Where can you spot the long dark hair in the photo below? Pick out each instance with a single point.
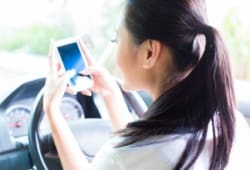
(205, 96)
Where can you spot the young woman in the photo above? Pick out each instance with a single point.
(166, 48)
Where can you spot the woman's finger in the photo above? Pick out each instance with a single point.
(59, 66)
(86, 92)
(52, 58)
(91, 70)
(62, 84)
(71, 91)
(88, 57)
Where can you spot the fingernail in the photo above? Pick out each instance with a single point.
(52, 42)
(74, 92)
(50, 50)
(86, 72)
(89, 93)
(72, 72)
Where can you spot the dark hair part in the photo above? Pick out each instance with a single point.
(205, 96)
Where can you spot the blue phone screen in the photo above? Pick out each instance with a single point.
(72, 59)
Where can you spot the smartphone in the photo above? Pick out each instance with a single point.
(72, 58)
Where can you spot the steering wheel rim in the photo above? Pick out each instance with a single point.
(132, 99)
(33, 135)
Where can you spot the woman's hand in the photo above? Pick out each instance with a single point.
(104, 84)
(56, 83)
(68, 149)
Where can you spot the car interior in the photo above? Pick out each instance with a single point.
(27, 138)
(26, 142)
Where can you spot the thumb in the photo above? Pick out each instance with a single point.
(87, 54)
(66, 77)
(69, 74)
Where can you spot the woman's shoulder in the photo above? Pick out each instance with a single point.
(162, 151)
(158, 141)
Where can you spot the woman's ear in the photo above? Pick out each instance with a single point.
(151, 54)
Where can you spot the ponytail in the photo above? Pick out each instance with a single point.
(220, 103)
(221, 82)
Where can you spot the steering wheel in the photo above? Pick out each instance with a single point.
(90, 133)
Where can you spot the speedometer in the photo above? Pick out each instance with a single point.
(71, 109)
(18, 117)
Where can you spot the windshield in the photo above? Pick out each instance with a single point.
(28, 26)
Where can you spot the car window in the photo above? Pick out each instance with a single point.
(28, 26)
(232, 20)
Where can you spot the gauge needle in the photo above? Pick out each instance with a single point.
(16, 124)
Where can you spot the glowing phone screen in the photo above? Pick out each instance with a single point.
(72, 59)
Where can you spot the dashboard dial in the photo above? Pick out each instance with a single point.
(18, 117)
(71, 109)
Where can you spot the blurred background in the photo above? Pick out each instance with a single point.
(27, 27)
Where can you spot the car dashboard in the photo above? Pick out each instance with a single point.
(19, 105)
(15, 114)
